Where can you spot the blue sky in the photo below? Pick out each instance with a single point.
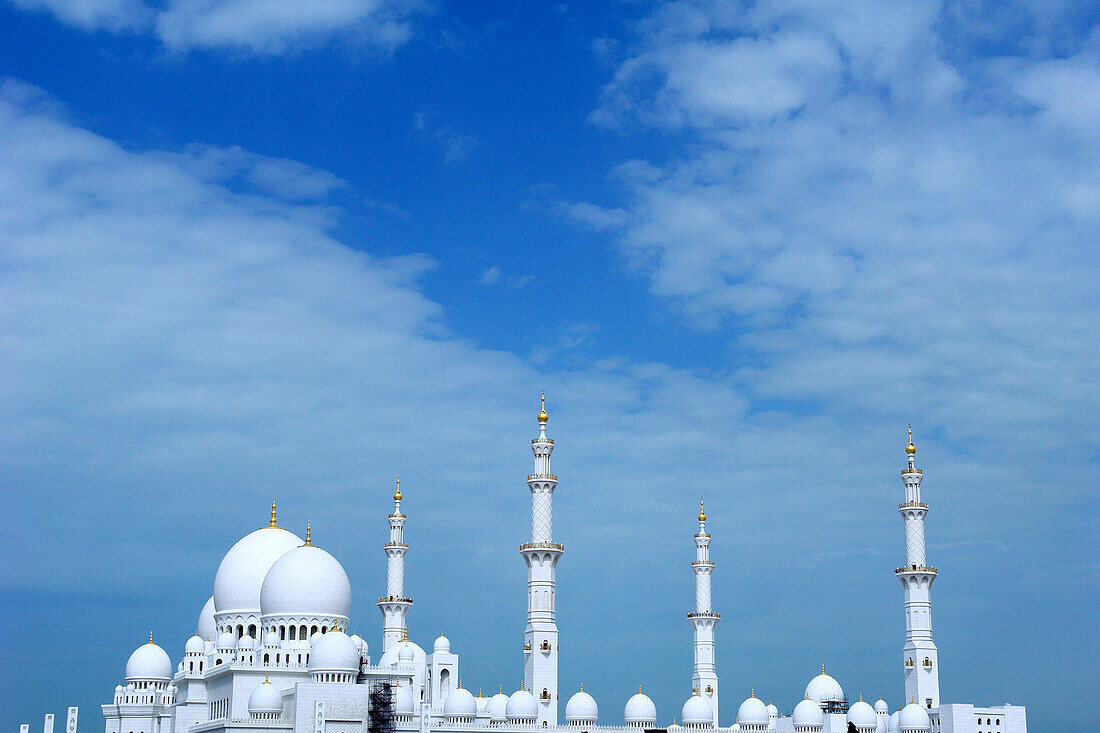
(250, 248)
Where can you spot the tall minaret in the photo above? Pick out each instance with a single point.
(922, 673)
(704, 676)
(394, 605)
(540, 638)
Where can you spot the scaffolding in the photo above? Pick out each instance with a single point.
(381, 710)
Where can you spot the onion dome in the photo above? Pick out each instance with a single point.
(753, 711)
(581, 708)
(460, 704)
(271, 639)
(241, 573)
(359, 643)
(442, 645)
(543, 417)
(307, 581)
(522, 706)
(892, 723)
(913, 718)
(735, 728)
(334, 652)
(640, 710)
(862, 715)
(675, 727)
(807, 713)
(403, 700)
(393, 655)
(881, 707)
(910, 449)
(246, 643)
(697, 711)
(405, 655)
(226, 642)
(773, 711)
(149, 662)
(824, 688)
(194, 645)
(206, 628)
(265, 699)
(498, 707)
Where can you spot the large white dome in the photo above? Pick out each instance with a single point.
(862, 715)
(697, 711)
(913, 718)
(498, 707)
(265, 699)
(206, 628)
(460, 704)
(242, 570)
(149, 662)
(640, 709)
(581, 708)
(806, 713)
(753, 712)
(306, 581)
(334, 652)
(824, 688)
(522, 706)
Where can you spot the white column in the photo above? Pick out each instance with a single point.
(703, 620)
(540, 637)
(919, 655)
(70, 721)
(394, 605)
(47, 726)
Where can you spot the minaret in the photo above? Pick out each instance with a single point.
(704, 676)
(394, 605)
(540, 638)
(922, 673)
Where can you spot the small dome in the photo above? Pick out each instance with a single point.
(640, 709)
(498, 707)
(359, 643)
(208, 647)
(227, 641)
(773, 711)
(442, 645)
(862, 715)
(735, 728)
(403, 700)
(881, 707)
(307, 581)
(460, 704)
(246, 643)
(393, 654)
(405, 655)
(241, 572)
(118, 688)
(334, 652)
(753, 711)
(149, 662)
(913, 718)
(206, 628)
(581, 708)
(265, 699)
(697, 711)
(522, 706)
(824, 688)
(806, 713)
(271, 639)
(194, 645)
(675, 727)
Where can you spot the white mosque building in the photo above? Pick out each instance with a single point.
(271, 652)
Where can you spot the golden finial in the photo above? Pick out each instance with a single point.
(582, 687)
(752, 693)
(910, 449)
(405, 634)
(397, 494)
(272, 512)
(460, 683)
(521, 685)
(150, 637)
(913, 701)
(309, 542)
(702, 514)
(861, 697)
(500, 688)
(543, 417)
(823, 668)
(266, 680)
(639, 689)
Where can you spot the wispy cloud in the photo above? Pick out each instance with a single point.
(456, 146)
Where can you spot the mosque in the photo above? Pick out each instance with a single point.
(271, 652)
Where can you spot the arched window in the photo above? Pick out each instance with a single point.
(267, 659)
(293, 633)
(302, 633)
(278, 657)
(240, 630)
(282, 633)
(313, 630)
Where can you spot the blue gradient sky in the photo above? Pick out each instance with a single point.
(249, 248)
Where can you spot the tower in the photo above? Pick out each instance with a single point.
(922, 674)
(703, 619)
(394, 605)
(540, 637)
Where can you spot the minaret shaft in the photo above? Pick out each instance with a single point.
(541, 554)
(394, 605)
(703, 620)
(919, 655)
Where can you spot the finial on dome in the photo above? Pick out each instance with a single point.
(910, 449)
(309, 539)
(823, 668)
(861, 697)
(500, 688)
(582, 687)
(273, 524)
(405, 634)
(639, 689)
(266, 680)
(702, 514)
(752, 693)
(543, 417)
(397, 494)
(150, 637)
(460, 683)
(520, 685)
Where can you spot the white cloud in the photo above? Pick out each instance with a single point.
(265, 27)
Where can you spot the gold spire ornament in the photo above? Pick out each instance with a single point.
(397, 494)
(702, 514)
(309, 542)
(543, 417)
(910, 449)
(273, 524)
(150, 638)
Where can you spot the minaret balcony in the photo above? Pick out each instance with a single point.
(541, 477)
(912, 505)
(549, 441)
(397, 544)
(915, 569)
(704, 614)
(394, 599)
(702, 563)
(911, 470)
(542, 546)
